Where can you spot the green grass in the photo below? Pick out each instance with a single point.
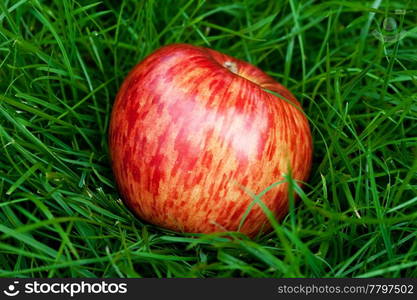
(61, 63)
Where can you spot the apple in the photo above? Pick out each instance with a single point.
(195, 133)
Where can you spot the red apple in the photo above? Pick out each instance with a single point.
(193, 131)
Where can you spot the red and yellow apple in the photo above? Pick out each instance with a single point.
(194, 134)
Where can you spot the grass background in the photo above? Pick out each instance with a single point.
(61, 63)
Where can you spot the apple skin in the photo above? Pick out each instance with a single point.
(193, 133)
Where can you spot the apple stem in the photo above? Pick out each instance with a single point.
(231, 66)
